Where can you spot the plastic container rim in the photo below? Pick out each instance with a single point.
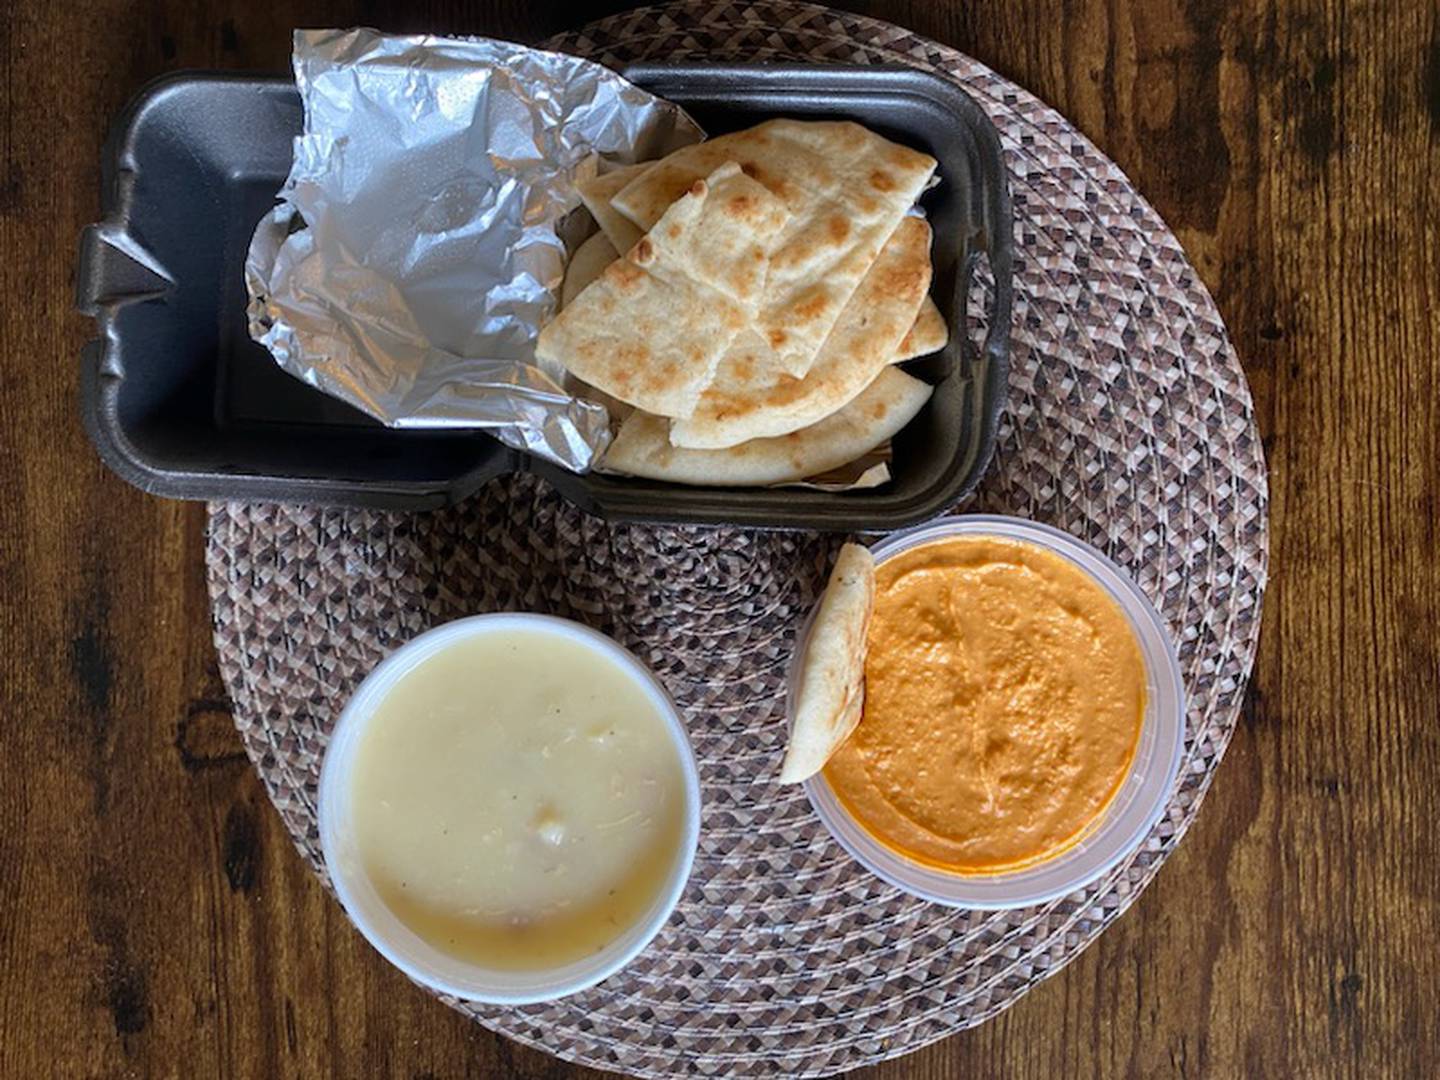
(1126, 820)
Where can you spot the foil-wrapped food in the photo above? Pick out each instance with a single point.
(415, 249)
(734, 310)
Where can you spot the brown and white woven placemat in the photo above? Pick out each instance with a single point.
(1129, 425)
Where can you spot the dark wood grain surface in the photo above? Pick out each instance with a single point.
(154, 919)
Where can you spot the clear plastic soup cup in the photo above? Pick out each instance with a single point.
(394, 940)
(1130, 815)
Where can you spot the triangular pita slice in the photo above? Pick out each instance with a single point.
(588, 263)
(722, 240)
(596, 195)
(831, 695)
(652, 328)
(846, 188)
(651, 341)
(928, 335)
(750, 398)
(642, 447)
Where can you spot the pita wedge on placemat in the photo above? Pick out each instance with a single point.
(751, 398)
(831, 694)
(653, 327)
(642, 447)
(846, 189)
(596, 195)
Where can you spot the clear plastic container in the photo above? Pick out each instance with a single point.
(1130, 815)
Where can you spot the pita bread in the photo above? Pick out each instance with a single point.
(647, 340)
(588, 263)
(750, 398)
(596, 195)
(722, 240)
(831, 695)
(642, 447)
(928, 335)
(651, 329)
(846, 189)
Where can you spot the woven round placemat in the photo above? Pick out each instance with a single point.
(1129, 425)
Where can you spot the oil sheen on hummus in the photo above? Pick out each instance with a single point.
(1004, 693)
(518, 800)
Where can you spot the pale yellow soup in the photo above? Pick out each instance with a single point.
(518, 801)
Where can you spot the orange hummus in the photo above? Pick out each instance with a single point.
(1004, 693)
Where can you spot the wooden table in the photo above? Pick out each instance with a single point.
(154, 918)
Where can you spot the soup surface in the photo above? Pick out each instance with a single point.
(517, 800)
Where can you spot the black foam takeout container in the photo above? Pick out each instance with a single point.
(179, 401)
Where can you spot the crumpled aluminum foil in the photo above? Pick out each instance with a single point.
(415, 250)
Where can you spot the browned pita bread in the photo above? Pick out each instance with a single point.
(831, 694)
(588, 263)
(750, 398)
(846, 188)
(928, 335)
(596, 195)
(722, 240)
(652, 328)
(642, 447)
